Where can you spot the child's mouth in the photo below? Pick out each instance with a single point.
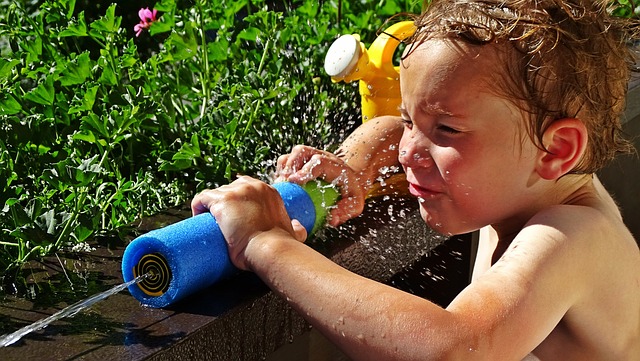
(420, 192)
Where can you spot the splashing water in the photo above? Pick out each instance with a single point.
(70, 311)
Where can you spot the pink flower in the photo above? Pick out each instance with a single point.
(146, 18)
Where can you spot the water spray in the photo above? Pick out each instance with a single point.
(191, 255)
(69, 311)
(348, 60)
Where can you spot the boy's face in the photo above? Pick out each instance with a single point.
(464, 149)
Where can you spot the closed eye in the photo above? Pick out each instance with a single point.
(407, 122)
(404, 117)
(447, 129)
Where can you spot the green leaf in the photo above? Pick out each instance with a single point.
(234, 6)
(267, 22)
(66, 174)
(55, 179)
(33, 49)
(43, 94)
(167, 6)
(77, 71)
(93, 123)
(130, 57)
(108, 76)
(179, 164)
(87, 102)
(49, 221)
(227, 171)
(6, 67)
(250, 34)
(90, 165)
(18, 215)
(86, 136)
(162, 26)
(9, 105)
(183, 46)
(81, 233)
(70, 8)
(218, 51)
(109, 23)
(189, 151)
(75, 29)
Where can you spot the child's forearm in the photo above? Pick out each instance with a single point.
(366, 319)
(373, 147)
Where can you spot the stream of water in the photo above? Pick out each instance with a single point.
(69, 311)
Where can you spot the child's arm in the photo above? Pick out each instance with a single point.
(353, 168)
(502, 315)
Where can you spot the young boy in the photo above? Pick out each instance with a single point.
(508, 109)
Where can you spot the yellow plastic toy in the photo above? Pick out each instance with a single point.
(348, 60)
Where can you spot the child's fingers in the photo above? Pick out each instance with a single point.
(345, 209)
(293, 164)
(202, 202)
(320, 165)
(299, 232)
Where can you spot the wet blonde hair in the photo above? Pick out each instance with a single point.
(571, 60)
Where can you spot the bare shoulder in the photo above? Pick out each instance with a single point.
(571, 275)
(578, 227)
(598, 259)
(594, 243)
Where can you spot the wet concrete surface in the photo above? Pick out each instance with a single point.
(237, 319)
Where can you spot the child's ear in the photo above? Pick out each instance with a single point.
(566, 142)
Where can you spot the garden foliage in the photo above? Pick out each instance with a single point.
(625, 8)
(99, 127)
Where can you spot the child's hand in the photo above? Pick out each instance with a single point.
(245, 209)
(305, 163)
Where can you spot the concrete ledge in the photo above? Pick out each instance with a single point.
(238, 319)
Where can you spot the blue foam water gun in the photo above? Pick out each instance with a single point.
(188, 256)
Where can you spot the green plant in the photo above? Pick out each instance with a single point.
(624, 8)
(96, 132)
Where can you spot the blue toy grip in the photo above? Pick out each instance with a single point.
(190, 255)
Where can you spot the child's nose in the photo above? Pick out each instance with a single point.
(410, 156)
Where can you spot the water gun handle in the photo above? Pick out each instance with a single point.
(190, 255)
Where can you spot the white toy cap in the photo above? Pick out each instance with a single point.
(342, 56)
